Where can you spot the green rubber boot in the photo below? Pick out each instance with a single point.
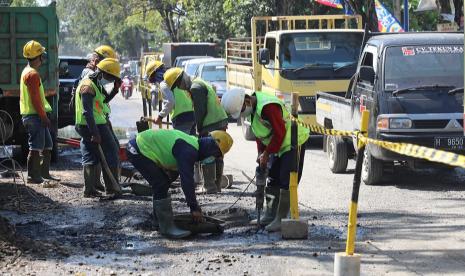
(33, 168)
(219, 167)
(271, 205)
(98, 184)
(209, 175)
(45, 166)
(164, 212)
(90, 172)
(282, 211)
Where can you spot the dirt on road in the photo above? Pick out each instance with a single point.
(55, 231)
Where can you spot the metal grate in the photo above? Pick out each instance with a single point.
(430, 123)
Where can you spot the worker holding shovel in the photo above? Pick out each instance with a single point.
(91, 124)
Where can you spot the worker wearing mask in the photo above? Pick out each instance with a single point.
(154, 152)
(34, 110)
(271, 125)
(100, 53)
(176, 103)
(92, 125)
(209, 116)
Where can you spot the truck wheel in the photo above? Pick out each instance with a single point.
(372, 169)
(336, 149)
(247, 131)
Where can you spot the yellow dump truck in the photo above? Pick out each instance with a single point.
(303, 54)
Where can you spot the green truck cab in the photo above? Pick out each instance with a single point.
(18, 25)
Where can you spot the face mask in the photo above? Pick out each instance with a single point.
(107, 85)
(159, 76)
(247, 112)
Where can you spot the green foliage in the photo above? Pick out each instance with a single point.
(24, 3)
(132, 26)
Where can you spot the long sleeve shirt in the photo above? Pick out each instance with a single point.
(32, 81)
(168, 100)
(87, 99)
(273, 114)
(199, 94)
(186, 156)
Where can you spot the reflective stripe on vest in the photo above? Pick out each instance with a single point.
(182, 103)
(215, 112)
(99, 106)
(157, 145)
(25, 103)
(262, 128)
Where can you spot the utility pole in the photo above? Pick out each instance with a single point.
(406, 17)
(397, 9)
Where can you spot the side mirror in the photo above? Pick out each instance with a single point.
(367, 74)
(264, 56)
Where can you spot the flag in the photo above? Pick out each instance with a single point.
(387, 23)
(332, 3)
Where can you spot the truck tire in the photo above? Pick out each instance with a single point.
(247, 131)
(336, 149)
(372, 169)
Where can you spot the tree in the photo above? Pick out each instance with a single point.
(366, 8)
(24, 3)
(171, 12)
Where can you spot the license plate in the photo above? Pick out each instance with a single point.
(454, 143)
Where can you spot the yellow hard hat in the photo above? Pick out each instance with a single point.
(172, 75)
(106, 51)
(33, 49)
(223, 140)
(110, 66)
(152, 67)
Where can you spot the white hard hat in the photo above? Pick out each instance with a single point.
(232, 101)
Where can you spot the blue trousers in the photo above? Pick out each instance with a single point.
(280, 169)
(156, 176)
(39, 137)
(89, 150)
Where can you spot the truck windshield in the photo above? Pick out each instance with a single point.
(426, 65)
(319, 56)
(214, 73)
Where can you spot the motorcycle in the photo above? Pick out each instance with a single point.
(127, 87)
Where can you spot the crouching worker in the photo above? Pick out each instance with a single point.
(271, 124)
(154, 152)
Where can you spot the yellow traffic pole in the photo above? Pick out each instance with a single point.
(352, 225)
(348, 263)
(295, 227)
(294, 176)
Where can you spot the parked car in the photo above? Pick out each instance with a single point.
(191, 65)
(412, 84)
(181, 60)
(70, 69)
(213, 71)
(172, 51)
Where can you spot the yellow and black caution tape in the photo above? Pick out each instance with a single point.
(323, 130)
(412, 150)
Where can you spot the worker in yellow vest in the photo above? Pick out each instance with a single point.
(209, 116)
(91, 123)
(271, 124)
(34, 110)
(99, 54)
(156, 152)
(177, 103)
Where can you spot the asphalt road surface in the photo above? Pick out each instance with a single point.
(413, 223)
